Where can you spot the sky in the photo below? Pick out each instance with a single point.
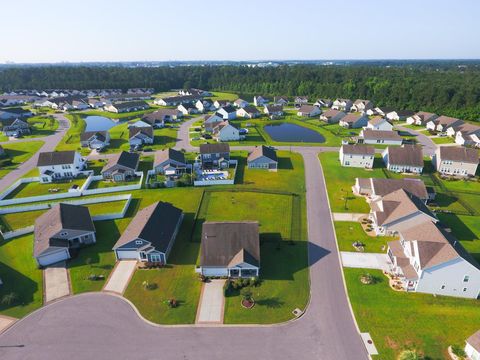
(148, 30)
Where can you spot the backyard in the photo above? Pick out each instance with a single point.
(17, 153)
(349, 232)
(36, 188)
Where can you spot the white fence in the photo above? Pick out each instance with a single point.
(11, 234)
(219, 182)
(136, 186)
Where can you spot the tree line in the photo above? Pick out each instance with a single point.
(450, 90)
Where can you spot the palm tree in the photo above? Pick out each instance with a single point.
(410, 355)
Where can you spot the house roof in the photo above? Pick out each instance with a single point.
(411, 155)
(56, 158)
(133, 130)
(60, 216)
(274, 108)
(239, 101)
(381, 135)
(382, 187)
(100, 135)
(351, 118)
(251, 109)
(331, 113)
(424, 116)
(474, 341)
(357, 149)
(263, 150)
(125, 159)
(385, 109)
(447, 121)
(155, 223)
(405, 113)
(307, 108)
(168, 154)
(229, 109)
(130, 104)
(361, 101)
(230, 243)
(377, 120)
(459, 153)
(214, 148)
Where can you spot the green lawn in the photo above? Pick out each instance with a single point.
(42, 126)
(216, 95)
(17, 153)
(443, 140)
(37, 188)
(122, 116)
(349, 232)
(71, 140)
(340, 179)
(20, 277)
(400, 320)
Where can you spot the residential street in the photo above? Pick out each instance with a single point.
(98, 323)
(50, 144)
(429, 146)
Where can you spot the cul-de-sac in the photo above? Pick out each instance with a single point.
(238, 209)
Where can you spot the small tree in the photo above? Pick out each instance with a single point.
(458, 351)
(246, 294)
(410, 355)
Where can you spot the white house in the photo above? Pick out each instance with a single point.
(429, 260)
(280, 100)
(323, 103)
(457, 161)
(259, 101)
(211, 121)
(404, 159)
(398, 115)
(187, 109)
(421, 118)
(472, 346)
(309, 110)
(226, 132)
(58, 165)
(140, 135)
(354, 121)
(221, 103)
(342, 105)
(230, 249)
(248, 112)
(387, 137)
(466, 134)
(204, 105)
(379, 123)
(442, 123)
(240, 103)
(361, 106)
(361, 156)
(228, 112)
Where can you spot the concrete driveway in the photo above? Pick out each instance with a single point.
(120, 276)
(366, 260)
(212, 303)
(347, 216)
(56, 282)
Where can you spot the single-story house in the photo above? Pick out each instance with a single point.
(388, 137)
(380, 110)
(151, 234)
(421, 118)
(59, 165)
(457, 161)
(300, 100)
(14, 113)
(121, 166)
(127, 106)
(361, 156)
(14, 127)
(323, 103)
(170, 162)
(469, 135)
(176, 100)
(161, 116)
(361, 106)
(263, 157)
(379, 123)
(228, 112)
(140, 135)
(309, 110)
(354, 121)
(240, 103)
(230, 249)
(332, 116)
(273, 110)
(259, 101)
(280, 100)
(342, 105)
(211, 121)
(187, 108)
(248, 112)
(225, 131)
(95, 139)
(221, 103)
(404, 159)
(472, 346)
(60, 229)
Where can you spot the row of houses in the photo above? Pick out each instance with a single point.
(447, 160)
(53, 93)
(426, 257)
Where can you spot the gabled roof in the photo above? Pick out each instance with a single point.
(377, 120)
(331, 113)
(251, 109)
(130, 104)
(147, 131)
(87, 135)
(351, 118)
(228, 108)
(425, 116)
(56, 158)
(214, 148)
(61, 216)
(155, 223)
(263, 150)
(381, 135)
(307, 108)
(227, 244)
(168, 154)
(239, 101)
(459, 153)
(357, 149)
(410, 155)
(125, 159)
(447, 121)
(382, 187)
(274, 108)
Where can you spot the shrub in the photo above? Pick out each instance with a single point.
(148, 285)
(367, 279)
(246, 294)
(458, 351)
(410, 355)
(9, 298)
(172, 303)
(227, 288)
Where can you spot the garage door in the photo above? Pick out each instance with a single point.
(53, 258)
(127, 254)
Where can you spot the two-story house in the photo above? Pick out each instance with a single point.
(421, 118)
(332, 116)
(59, 165)
(361, 156)
(404, 159)
(456, 161)
(214, 156)
(342, 104)
(353, 121)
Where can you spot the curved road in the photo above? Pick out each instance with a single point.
(428, 145)
(103, 326)
(50, 143)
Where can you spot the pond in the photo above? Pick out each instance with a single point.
(286, 132)
(98, 123)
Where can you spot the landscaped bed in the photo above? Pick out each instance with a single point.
(400, 320)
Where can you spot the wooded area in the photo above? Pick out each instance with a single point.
(450, 89)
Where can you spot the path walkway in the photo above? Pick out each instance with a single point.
(366, 260)
(50, 144)
(347, 216)
(56, 282)
(120, 276)
(212, 303)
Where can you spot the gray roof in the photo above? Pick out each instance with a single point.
(101, 135)
(156, 224)
(60, 216)
(168, 154)
(130, 104)
(126, 159)
(251, 109)
(357, 149)
(411, 155)
(148, 131)
(459, 153)
(263, 150)
(381, 135)
(230, 243)
(214, 148)
(56, 158)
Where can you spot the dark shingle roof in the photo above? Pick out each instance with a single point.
(126, 159)
(168, 154)
(405, 155)
(357, 149)
(155, 223)
(230, 243)
(263, 150)
(144, 130)
(130, 104)
(461, 154)
(55, 158)
(101, 135)
(214, 148)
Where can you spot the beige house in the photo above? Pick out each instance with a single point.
(361, 156)
(375, 188)
(472, 347)
(457, 161)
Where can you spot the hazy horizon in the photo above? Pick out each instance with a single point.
(307, 30)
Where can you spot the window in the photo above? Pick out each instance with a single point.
(138, 242)
(443, 287)
(464, 289)
(466, 278)
(64, 233)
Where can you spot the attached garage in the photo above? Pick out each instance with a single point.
(126, 254)
(53, 257)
